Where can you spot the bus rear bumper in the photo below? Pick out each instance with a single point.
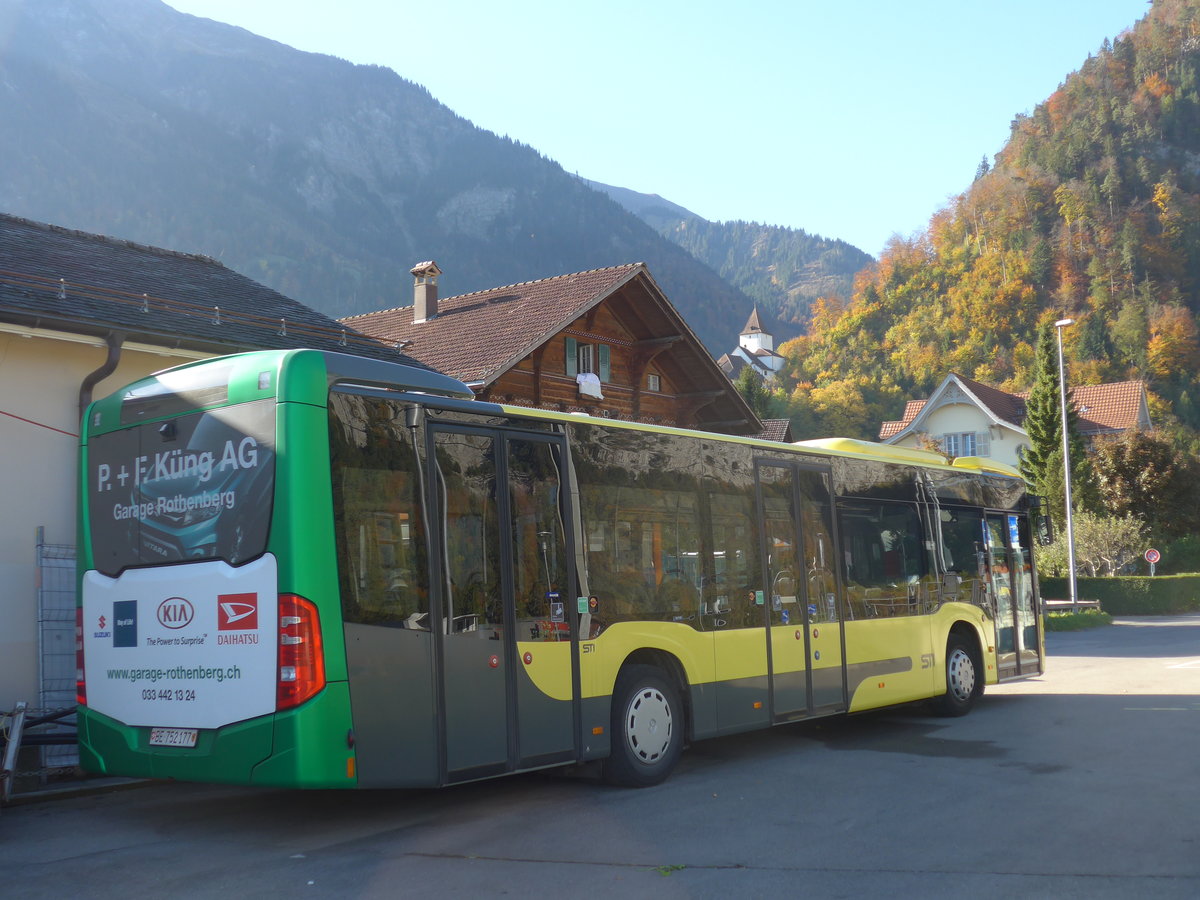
(306, 747)
(227, 754)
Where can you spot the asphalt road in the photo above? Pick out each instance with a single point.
(1081, 784)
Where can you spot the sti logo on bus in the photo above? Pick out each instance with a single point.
(175, 612)
(237, 612)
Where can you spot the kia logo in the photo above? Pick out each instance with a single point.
(175, 613)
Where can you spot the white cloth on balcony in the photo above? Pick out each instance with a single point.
(589, 385)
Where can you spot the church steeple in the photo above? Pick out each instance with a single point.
(754, 336)
(753, 324)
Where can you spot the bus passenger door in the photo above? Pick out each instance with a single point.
(506, 650)
(801, 595)
(1010, 581)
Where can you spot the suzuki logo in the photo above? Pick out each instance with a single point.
(237, 612)
(175, 613)
(102, 621)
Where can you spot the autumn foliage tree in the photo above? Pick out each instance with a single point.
(1092, 210)
(1143, 475)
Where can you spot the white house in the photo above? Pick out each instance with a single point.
(967, 418)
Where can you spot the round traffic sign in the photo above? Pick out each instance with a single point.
(1153, 556)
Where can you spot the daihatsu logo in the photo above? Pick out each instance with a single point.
(175, 612)
(237, 612)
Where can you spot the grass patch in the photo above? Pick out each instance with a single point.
(1077, 621)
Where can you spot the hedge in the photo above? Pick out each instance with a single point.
(1132, 595)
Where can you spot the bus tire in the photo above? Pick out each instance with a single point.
(647, 728)
(964, 679)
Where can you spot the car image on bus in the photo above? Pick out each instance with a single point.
(309, 569)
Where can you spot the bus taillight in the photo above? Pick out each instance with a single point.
(80, 682)
(301, 657)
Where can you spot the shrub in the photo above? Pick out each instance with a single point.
(1179, 556)
(1077, 621)
(1133, 595)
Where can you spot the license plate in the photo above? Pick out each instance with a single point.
(173, 737)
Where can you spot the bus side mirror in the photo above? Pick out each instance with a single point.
(1045, 530)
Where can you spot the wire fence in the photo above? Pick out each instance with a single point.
(56, 648)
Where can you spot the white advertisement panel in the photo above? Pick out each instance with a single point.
(192, 646)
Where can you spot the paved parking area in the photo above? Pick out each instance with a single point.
(1080, 784)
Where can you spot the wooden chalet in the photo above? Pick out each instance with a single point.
(606, 342)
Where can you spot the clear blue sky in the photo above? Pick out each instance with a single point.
(852, 120)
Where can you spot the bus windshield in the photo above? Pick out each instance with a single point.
(192, 488)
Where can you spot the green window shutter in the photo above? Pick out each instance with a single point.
(605, 372)
(572, 356)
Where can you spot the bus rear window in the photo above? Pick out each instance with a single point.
(171, 393)
(191, 488)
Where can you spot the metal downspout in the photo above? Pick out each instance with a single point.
(113, 340)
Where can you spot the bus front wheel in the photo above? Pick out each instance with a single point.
(964, 679)
(647, 728)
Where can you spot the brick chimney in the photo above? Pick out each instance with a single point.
(425, 291)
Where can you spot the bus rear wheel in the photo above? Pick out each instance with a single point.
(647, 728)
(964, 680)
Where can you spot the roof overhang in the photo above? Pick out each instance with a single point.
(536, 339)
(93, 335)
(946, 395)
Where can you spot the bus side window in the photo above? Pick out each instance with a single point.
(963, 555)
(382, 570)
(884, 562)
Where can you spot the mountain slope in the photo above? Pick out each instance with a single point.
(322, 179)
(782, 269)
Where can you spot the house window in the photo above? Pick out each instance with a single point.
(595, 358)
(965, 443)
(653, 382)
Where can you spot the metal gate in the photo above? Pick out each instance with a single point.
(56, 646)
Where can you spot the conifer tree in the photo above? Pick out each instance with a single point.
(750, 385)
(1041, 462)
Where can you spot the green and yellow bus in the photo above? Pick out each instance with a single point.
(310, 569)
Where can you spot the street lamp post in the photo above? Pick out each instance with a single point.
(1066, 445)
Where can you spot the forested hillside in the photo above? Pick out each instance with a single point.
(1092, 210)
(784, 270)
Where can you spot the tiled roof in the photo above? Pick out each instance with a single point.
(1005, 406)
(66, 280)
(1101, 408)
(887, 429)
(753, 324)
(475, 337)
(478, 337)
(776, 430)
(1109, 407)
(731, 365)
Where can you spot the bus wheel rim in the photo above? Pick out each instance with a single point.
(649, 725)
(961, 672)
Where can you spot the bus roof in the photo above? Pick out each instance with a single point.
(350, 370)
